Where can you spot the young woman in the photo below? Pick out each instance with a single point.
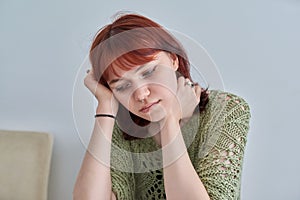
(157, 135)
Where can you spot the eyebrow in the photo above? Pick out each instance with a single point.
(119, 79)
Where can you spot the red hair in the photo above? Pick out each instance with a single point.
(133, 40)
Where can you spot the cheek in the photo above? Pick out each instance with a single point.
(122, 99)
(162, 92)
(166, 80)
(127, 101)
(165, 86)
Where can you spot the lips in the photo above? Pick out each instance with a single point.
(147, 107)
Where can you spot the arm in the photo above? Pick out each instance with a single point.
(220, 170)
(180, 178)
(94, 180)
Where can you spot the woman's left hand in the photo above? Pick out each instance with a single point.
(187, 98)
(182, 106)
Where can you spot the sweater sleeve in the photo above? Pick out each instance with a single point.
(123, 184)
(220, 169)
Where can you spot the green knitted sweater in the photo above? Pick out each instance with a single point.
(215, 141)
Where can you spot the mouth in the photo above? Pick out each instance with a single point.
(147, 108)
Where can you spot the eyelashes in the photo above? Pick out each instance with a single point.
(123, 87)
(146, 74)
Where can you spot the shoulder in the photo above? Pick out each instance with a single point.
(227, 104)
(219, 96)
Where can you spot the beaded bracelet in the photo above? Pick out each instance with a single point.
(105, 115)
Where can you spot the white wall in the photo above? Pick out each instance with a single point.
(255, 44)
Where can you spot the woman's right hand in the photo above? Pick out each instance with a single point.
(106, 100)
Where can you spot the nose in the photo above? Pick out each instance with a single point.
(141, 93)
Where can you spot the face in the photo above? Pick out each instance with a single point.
(146, 90)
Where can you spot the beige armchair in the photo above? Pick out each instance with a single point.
(25, 159)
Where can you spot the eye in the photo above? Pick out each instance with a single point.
(122, 87)
(148, 72)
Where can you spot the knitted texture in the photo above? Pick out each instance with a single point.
(215, 141)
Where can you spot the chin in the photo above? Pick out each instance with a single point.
(154, 117)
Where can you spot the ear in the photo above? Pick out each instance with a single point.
(175, 62)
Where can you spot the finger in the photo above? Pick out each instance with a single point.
(181, 81)
(198, 92)
(90, 71)
(186, 81)
(189, 83)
